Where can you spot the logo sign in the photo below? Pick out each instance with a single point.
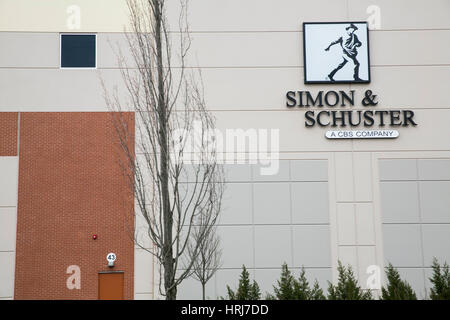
(362, 134)
(111, 257)
(336, 52)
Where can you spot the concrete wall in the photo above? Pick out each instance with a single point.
(47, 15)
(269, 220)
(416, 216)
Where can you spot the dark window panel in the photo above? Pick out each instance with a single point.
(77, 51)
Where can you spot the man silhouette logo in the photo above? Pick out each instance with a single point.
(349, 43)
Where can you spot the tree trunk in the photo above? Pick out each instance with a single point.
(203, 290)
(169, 272)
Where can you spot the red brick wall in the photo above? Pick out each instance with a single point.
(8, 134)
(70, 187)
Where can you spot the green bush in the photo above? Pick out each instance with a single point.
(246, 290)
(285, 286)
(347, 287)
(396, 289)
(440, 281)
(289, 288)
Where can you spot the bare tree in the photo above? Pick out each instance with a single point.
(172, 164)
(207, 257)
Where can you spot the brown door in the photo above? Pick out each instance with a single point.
(110, 286)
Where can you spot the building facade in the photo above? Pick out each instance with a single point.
(364, 202)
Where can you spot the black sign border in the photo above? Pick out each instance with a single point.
(337, 81)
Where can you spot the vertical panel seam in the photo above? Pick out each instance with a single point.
(420, 226)
(253, 222)
(291, 213)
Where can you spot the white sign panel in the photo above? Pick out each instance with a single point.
(111, 257)
(336, 52)
(362, 134)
